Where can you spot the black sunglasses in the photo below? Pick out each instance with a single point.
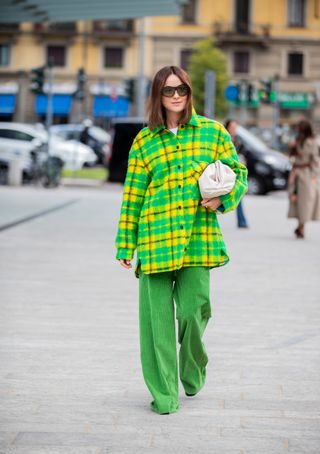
(182, 90)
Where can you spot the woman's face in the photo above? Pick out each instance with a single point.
(177, 103)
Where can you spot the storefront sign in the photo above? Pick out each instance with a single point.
(295, 100)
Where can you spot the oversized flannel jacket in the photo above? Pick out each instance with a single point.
(161, 214)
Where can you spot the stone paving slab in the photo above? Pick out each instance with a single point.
(54, 450)
(70, 378)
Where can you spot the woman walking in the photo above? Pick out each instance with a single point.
(176, 234)
(303, 184)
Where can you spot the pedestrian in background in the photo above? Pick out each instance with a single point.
(231, 127)
(176, 234)
(303, 184)
(85, 136)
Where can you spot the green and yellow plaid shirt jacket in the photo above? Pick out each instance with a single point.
(161, 215)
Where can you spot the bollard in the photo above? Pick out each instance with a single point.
(15, 171)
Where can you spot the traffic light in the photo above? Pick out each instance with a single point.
(250, 93)
(265, 93)
(129, 85)
(37, 78)
(81, 83)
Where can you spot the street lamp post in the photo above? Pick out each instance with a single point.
(49, 104)
(243, 102)
(210, 93)
(276, 111)
(141, 78)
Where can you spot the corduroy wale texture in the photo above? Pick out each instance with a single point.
(161, 214)
(190, 289)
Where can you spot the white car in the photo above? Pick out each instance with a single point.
(97, 138)
(20, 139)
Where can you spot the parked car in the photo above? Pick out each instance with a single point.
(20, 138)
(124, 131)
(267, 169)
(4, 168)
(98, 139)
(19, 144)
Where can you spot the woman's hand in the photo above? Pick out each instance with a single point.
(213, 204)
(125, 263)
(292, 176)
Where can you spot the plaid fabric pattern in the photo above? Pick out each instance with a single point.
(161, 214)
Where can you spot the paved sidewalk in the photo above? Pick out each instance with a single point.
(70, 379)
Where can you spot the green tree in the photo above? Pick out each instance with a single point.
(206, 56)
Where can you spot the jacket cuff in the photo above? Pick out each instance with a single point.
(226, 203)
(125, 254)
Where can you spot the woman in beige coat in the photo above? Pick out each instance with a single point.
(303, 180)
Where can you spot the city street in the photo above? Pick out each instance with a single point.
(70, 377)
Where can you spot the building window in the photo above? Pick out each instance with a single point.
(296, 13)
(242, 16)
(185, 55)
(188, 12)
(241, 60)
(113, 57)
(295, 64)
(56, 55)
(4, 54)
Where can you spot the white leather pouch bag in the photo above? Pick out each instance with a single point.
(217, 179)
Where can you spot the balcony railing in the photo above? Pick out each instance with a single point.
(103, 27)
(8, 29)
(56, 28)
(242, 33)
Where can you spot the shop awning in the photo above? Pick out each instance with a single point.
(105, 106)
(7, 103)
(61, 104)
(73, 10)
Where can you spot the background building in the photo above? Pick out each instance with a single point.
(261, 39)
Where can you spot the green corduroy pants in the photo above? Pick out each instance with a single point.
(189, 289)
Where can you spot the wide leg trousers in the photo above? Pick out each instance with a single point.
(189, 289)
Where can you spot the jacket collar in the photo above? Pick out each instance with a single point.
(194, 121)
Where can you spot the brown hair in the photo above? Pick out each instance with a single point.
(156, 111)
(304, 131)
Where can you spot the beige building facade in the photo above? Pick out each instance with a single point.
(261, 40)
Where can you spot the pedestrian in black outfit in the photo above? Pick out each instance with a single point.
(231, 127)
